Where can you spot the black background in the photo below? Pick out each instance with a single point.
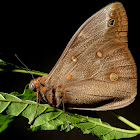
(39, 32)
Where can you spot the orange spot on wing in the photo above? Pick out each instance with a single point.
(69, 77)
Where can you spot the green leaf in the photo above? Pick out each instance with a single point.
(5, 120)
(27, 94)
(49, 118)
(3, 105)
(29, 112)
(15, 108)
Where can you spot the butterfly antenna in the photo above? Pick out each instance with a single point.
(65, 115)
(24, 66)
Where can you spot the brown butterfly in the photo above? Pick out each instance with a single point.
(96, 70)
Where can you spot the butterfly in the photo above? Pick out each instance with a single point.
(96, 71)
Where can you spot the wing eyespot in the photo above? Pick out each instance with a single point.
(74, 59)
(113, 77)
(99, 54)
(111, 22)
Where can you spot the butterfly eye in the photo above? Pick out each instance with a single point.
(32, 86)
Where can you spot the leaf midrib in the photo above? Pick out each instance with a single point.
(107, 126)
(83, 117)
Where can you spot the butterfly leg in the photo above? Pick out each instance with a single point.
(58, 97)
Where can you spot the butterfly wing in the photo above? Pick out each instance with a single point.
(97, 67)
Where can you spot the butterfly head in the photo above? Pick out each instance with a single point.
(35, 85)
(32, 86)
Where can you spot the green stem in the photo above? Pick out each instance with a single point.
(127, 121)
(115, 128)
(21, 69)
(27, 71)
(25, 102)
(32, 72)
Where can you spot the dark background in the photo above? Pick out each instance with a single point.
(38, 32)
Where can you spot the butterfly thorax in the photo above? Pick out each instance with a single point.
(46, 91)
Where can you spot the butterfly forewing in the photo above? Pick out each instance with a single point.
(97, 68)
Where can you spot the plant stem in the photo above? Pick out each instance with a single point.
(33, 72)
(126, 121)
(27, 71)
